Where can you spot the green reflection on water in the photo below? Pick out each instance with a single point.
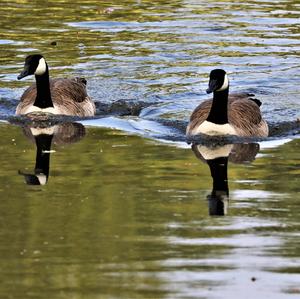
(120, 216)
(92, 214)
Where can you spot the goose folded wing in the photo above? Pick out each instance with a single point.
(72, 89)
(244, 113)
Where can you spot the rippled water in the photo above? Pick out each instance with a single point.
(159, 52)
(126, 216)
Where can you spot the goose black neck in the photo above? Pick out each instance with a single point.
(218, 170)
(219, 109)
(43, 95)
(42, 160)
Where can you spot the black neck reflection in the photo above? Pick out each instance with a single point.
(60, 134)
(217, 158)
(217, 200)
(42, 161)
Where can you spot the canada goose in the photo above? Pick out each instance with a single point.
(239, 115)
(55, 96)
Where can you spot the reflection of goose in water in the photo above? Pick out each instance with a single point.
(44, 137)
(217, 160)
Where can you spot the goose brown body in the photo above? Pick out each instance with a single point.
(69, 97)
(243, 114)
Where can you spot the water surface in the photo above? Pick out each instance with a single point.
(158, 51)
(122, 207)
(126, 217)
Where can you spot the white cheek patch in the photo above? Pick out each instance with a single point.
(41, 68)
(225, 83)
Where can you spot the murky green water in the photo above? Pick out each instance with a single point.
(123, 213)
(126, 217)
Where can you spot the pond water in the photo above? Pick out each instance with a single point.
(120, 206)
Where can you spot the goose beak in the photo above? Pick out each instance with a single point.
(212, 86)
(23, 74)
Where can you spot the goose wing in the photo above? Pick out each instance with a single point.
(201, 112)
(73, 89)
(70, 96)
(244, 113)
(245, 117)
(29, 95)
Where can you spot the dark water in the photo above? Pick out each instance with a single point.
(124, 208)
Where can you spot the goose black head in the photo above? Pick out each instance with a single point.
(218, 81)
(34, 65)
